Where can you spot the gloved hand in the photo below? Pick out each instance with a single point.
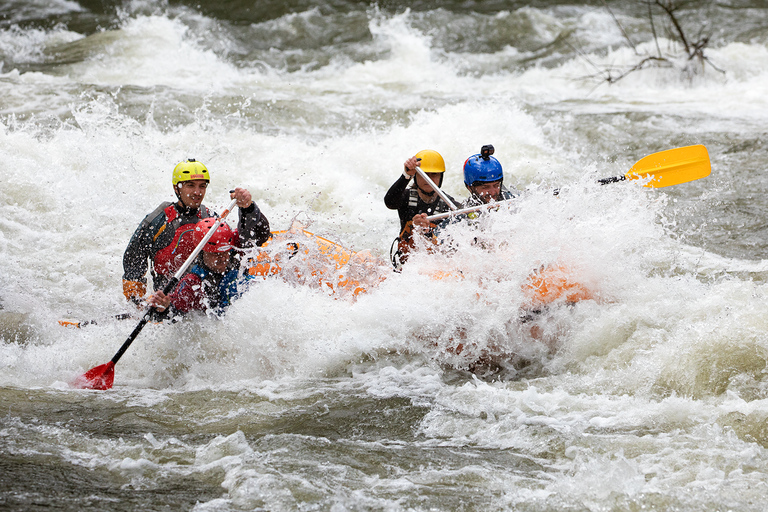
(134, 291)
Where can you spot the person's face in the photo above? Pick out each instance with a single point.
(487, 192)
(425, 189)
(216, 261)
(192, 193)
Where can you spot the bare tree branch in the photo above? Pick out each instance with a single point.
(653, 28)
(618, 24)
(674, 30)
(669, 6)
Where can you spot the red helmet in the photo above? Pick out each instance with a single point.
(222, 239)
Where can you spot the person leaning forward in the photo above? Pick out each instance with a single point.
(213, 282)
(165, 238)
(413, 203)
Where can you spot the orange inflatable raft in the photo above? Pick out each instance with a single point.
(301, 257)
(554, 282)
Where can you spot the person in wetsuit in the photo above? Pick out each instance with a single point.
(484, 179)
(215, 279)
(415, 202)
(164, 239)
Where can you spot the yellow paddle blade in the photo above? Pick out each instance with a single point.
(672, 167)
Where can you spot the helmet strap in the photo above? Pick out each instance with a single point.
(429, 193)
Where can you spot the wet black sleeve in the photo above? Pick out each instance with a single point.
(139, 252)
(396, 196)
(252, 227)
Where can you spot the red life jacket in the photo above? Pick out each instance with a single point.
(170, 259)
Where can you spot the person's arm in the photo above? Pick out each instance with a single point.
(393, 199)
(139, 252)
(135, 264)
(252, 225)
(394, 196)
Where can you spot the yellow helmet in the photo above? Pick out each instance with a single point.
(431, 161)
(189, 170)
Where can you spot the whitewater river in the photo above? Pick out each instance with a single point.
(650, 395)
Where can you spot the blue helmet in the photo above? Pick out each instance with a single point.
(482, 168)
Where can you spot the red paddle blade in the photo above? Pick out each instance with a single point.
(100, 377)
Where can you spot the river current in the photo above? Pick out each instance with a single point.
(650, 395)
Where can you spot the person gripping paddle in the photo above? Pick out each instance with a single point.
(102, 377)
(165, 237)
(413, 203)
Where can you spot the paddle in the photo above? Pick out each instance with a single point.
(68, 322)
(495, 204)
(101, 377)
(665, 168)
(670, 167)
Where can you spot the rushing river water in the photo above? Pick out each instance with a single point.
(652, 395)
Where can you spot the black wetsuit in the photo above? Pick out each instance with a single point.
(408, 203)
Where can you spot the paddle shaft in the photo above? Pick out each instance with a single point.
(669, 167)
(434, 187)
(612, 179)
(64, 322)
(453, 213)
(168, 288)
(440, 216)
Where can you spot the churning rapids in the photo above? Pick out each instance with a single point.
(652, 395)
